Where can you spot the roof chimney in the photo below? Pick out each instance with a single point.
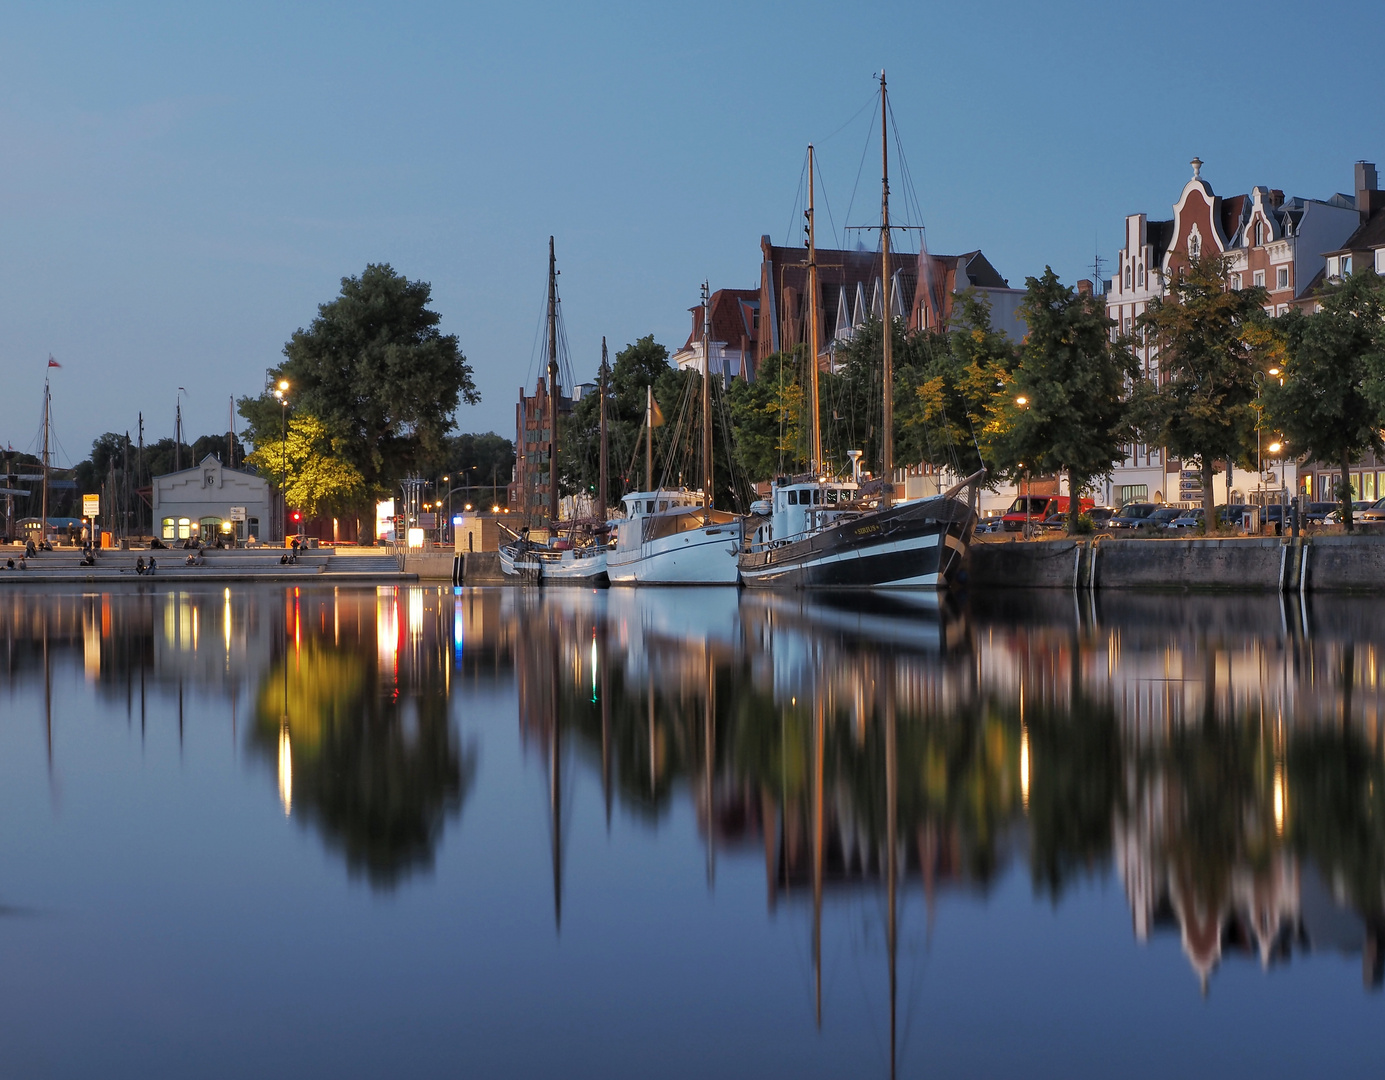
(1365, 182)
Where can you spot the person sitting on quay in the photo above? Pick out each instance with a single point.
(9, 564)
(23, 562)
(152, 567)
(155, 542)
(139, 565)
(29, 549)
(88, 558)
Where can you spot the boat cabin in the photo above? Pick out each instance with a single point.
(640, 504)
(798, 508)
(650, 515)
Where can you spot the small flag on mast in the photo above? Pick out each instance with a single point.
(657, 417)
(52, 362)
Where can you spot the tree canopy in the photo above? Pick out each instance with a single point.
(1066, 405)
(1209, 353)
(1333, 367)
(313, 479)
(375, 369)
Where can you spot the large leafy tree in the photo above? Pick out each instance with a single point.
(957, 392)
(1210, 351)
(1332, 402)
(376, 370)
(313, 478)
(1066, 405)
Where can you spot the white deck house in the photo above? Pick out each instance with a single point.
(211, 499)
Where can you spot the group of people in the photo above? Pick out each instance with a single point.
(146, 569)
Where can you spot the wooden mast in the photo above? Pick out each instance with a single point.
(552, 387)
(706, 404)
(601, 480)
(47, 409)
(649, 437)
(815, 446)
(886, 322)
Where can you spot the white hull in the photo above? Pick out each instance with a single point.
(705, 556)
(553, 567)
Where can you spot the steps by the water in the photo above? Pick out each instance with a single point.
(262, 564)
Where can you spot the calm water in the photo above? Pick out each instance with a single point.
(412, 831)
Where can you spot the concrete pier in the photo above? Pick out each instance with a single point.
(1336, 563)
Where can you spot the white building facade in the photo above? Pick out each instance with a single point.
(211, 500)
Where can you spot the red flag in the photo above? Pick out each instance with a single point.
(53, 363)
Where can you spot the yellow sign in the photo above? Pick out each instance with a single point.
(91, 505)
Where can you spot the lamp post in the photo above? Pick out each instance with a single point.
(1023, 403)
(281, 392)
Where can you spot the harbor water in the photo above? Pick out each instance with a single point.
(416, 830)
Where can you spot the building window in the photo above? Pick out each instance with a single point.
(1258, 278)
(1281, 279)
(1127, 284)
(1129, 493)
(253, 528)
(1334, 267)
(1380, 260)
(1142, 279)
(1346, 269)
(169, 525)
(1194, 248)
(1235, 283)
(185, 526)
(1259, 237)
(1281, 310)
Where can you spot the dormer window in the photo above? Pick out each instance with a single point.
(1346, 266)
(1259, 234)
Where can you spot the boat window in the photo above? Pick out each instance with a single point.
(817, 497)
(663, 504)
(831, 495)
(650, 508)
(793, 498)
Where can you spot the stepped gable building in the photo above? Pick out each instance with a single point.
(1278, 243)
(922, 290)
(734, 336)
(528, 493)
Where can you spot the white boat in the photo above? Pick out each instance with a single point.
(672, 538)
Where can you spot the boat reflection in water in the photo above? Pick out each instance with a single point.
(1230, 778)
(1221, 758)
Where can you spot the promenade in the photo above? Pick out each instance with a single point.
(240, 564)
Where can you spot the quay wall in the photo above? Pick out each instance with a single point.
(1246, 564)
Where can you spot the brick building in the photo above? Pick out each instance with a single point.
(734, 335)
(528, 494)
(1269, 241)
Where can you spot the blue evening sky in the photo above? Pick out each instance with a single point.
(182, 184)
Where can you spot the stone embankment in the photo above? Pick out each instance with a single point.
(1320, 563)
(336, 565)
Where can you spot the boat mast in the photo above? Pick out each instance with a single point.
(886, 322)
(47, 410)
(552, 386)
(706, 404)
(815, 446)
(649, 437)
(601, 481)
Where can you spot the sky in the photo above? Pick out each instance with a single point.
(181, 185)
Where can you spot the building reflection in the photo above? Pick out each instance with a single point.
(1222, 756)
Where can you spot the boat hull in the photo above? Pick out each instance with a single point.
(914, 546)
(705, 556)
(536, 565)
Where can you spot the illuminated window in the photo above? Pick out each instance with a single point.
(184, 528)
(168, 528)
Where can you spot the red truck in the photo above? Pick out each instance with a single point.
(1034, 508)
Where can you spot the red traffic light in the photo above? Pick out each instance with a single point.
(297, 516)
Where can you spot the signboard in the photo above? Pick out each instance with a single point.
(237, 513)
(1190, 484)
(427, 521)
(91, 505)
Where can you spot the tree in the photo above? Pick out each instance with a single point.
(376, 370)
(1066, 405)
(313, 480)
(474, 461)
(1331, 404)
(1209, 356)
(957, 393)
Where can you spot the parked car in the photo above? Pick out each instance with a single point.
(1316, 511)
(1164, 517)
(989, 525)
(1032, 509)
(1133, 516)
(1187, 519)
(1374, 512)
(1100, 515)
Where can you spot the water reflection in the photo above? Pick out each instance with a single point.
(1221, 758)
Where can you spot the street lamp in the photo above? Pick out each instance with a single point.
(281, 392)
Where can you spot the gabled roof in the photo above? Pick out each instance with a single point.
(1367, 237)
(733, 317)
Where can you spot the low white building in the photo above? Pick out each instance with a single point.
(211, 499)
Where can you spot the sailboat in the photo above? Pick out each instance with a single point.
(676, 536)
(580, 557)
(822, 532)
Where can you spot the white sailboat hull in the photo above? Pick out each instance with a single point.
(705, 556)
